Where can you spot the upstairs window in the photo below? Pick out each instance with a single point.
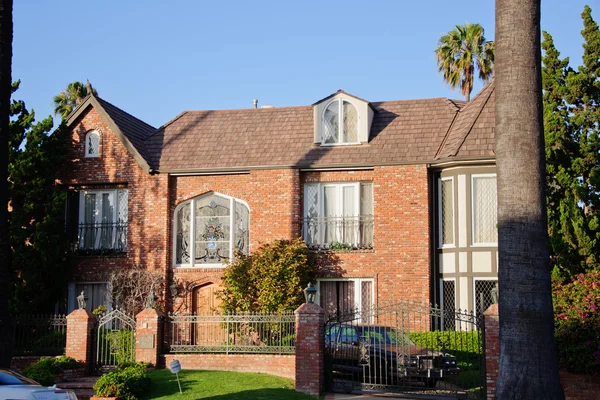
(484, 205)
(340, 123)
(446, 212)
(92, 144)
(338, 216)
(209, 228)
(103, 219)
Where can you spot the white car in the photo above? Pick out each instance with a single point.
(14, 386)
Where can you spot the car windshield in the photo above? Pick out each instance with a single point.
(8, 377)
(384, 335)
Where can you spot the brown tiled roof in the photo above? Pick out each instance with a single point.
(402, 132)
(472, 132)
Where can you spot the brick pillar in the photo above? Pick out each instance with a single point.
(492, 349)
(80, 324)
(147, 336)
(310, 349)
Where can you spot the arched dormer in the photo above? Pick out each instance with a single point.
(208, 229)
(342, 119)
(92, 144)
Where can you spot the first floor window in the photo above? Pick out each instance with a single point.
(347, 299)
(95, 292)
(103, 216)
(338, 216)
(483, 294)
(208, 229)
(449, 303)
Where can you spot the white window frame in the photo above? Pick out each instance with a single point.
(192, 203)
(475, 279)
(87, 136)
(98, 207)
(340, 141)
(441, 244)
(473, 242)
(357, 290)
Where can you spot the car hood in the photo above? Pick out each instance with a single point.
(38, 392)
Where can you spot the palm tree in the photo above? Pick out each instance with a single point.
(528, 367)
(6, 38)
(69, 99)
(460, 52)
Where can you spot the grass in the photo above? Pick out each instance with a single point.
(221, 385)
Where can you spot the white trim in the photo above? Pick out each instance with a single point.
(340, 141)
(473, 243)
(192, 203)
(441, 244)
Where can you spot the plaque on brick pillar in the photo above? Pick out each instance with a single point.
(146, 341)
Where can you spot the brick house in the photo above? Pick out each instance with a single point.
(402, 192)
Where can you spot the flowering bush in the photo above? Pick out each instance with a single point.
(577, 322)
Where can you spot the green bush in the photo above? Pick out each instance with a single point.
(46, 368)
(271, 279)
(127, 383)
(577, 322)
(465, 346)
(50, 344)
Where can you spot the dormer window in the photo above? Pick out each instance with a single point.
(342, 119)
(340, 116)
(92, 144)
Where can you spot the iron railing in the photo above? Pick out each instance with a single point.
(267, 333)
(338, 233)
(103, 236)
(407, 347)
(40, 335)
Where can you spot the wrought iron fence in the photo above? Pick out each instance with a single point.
(338, 233)
(267, 333)
(103, 236)
(40, 335)
(407, 347)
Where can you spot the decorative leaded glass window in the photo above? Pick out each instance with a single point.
(447, 212)
(340, 117)
(92, 144)
(217, 225)
(484, 206)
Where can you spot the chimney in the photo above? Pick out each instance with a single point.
(255, 103)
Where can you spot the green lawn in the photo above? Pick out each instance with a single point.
(221, 385)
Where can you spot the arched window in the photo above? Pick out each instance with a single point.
(92, 144)
(208, 229)
(340, 123)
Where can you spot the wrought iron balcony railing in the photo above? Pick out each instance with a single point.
(103, 236)
(338, 233)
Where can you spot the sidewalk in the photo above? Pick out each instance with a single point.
(342, 396)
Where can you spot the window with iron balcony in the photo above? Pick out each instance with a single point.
(98, 220)
(338, 216)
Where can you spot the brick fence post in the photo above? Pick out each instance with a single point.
(147, 336)
(80, 324)
(310, 349)
(492, 348)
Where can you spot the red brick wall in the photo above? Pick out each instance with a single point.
(399, 262)
(273, 364)
(148, 200)
(79, 336)
(310, 349)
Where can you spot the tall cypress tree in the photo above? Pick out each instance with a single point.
(571, 99)
(37, 238)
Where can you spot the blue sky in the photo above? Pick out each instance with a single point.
(155, 59)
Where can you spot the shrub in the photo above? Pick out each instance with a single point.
(271, 279)
(577, 322)
(127, 383)
(465, 346)
(44, 370)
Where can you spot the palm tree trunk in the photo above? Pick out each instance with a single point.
(528, 368)
(6, 35)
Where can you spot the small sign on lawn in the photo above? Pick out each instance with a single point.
(175, 367)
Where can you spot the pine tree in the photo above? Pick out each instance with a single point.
(571, 112)
(39, 244)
